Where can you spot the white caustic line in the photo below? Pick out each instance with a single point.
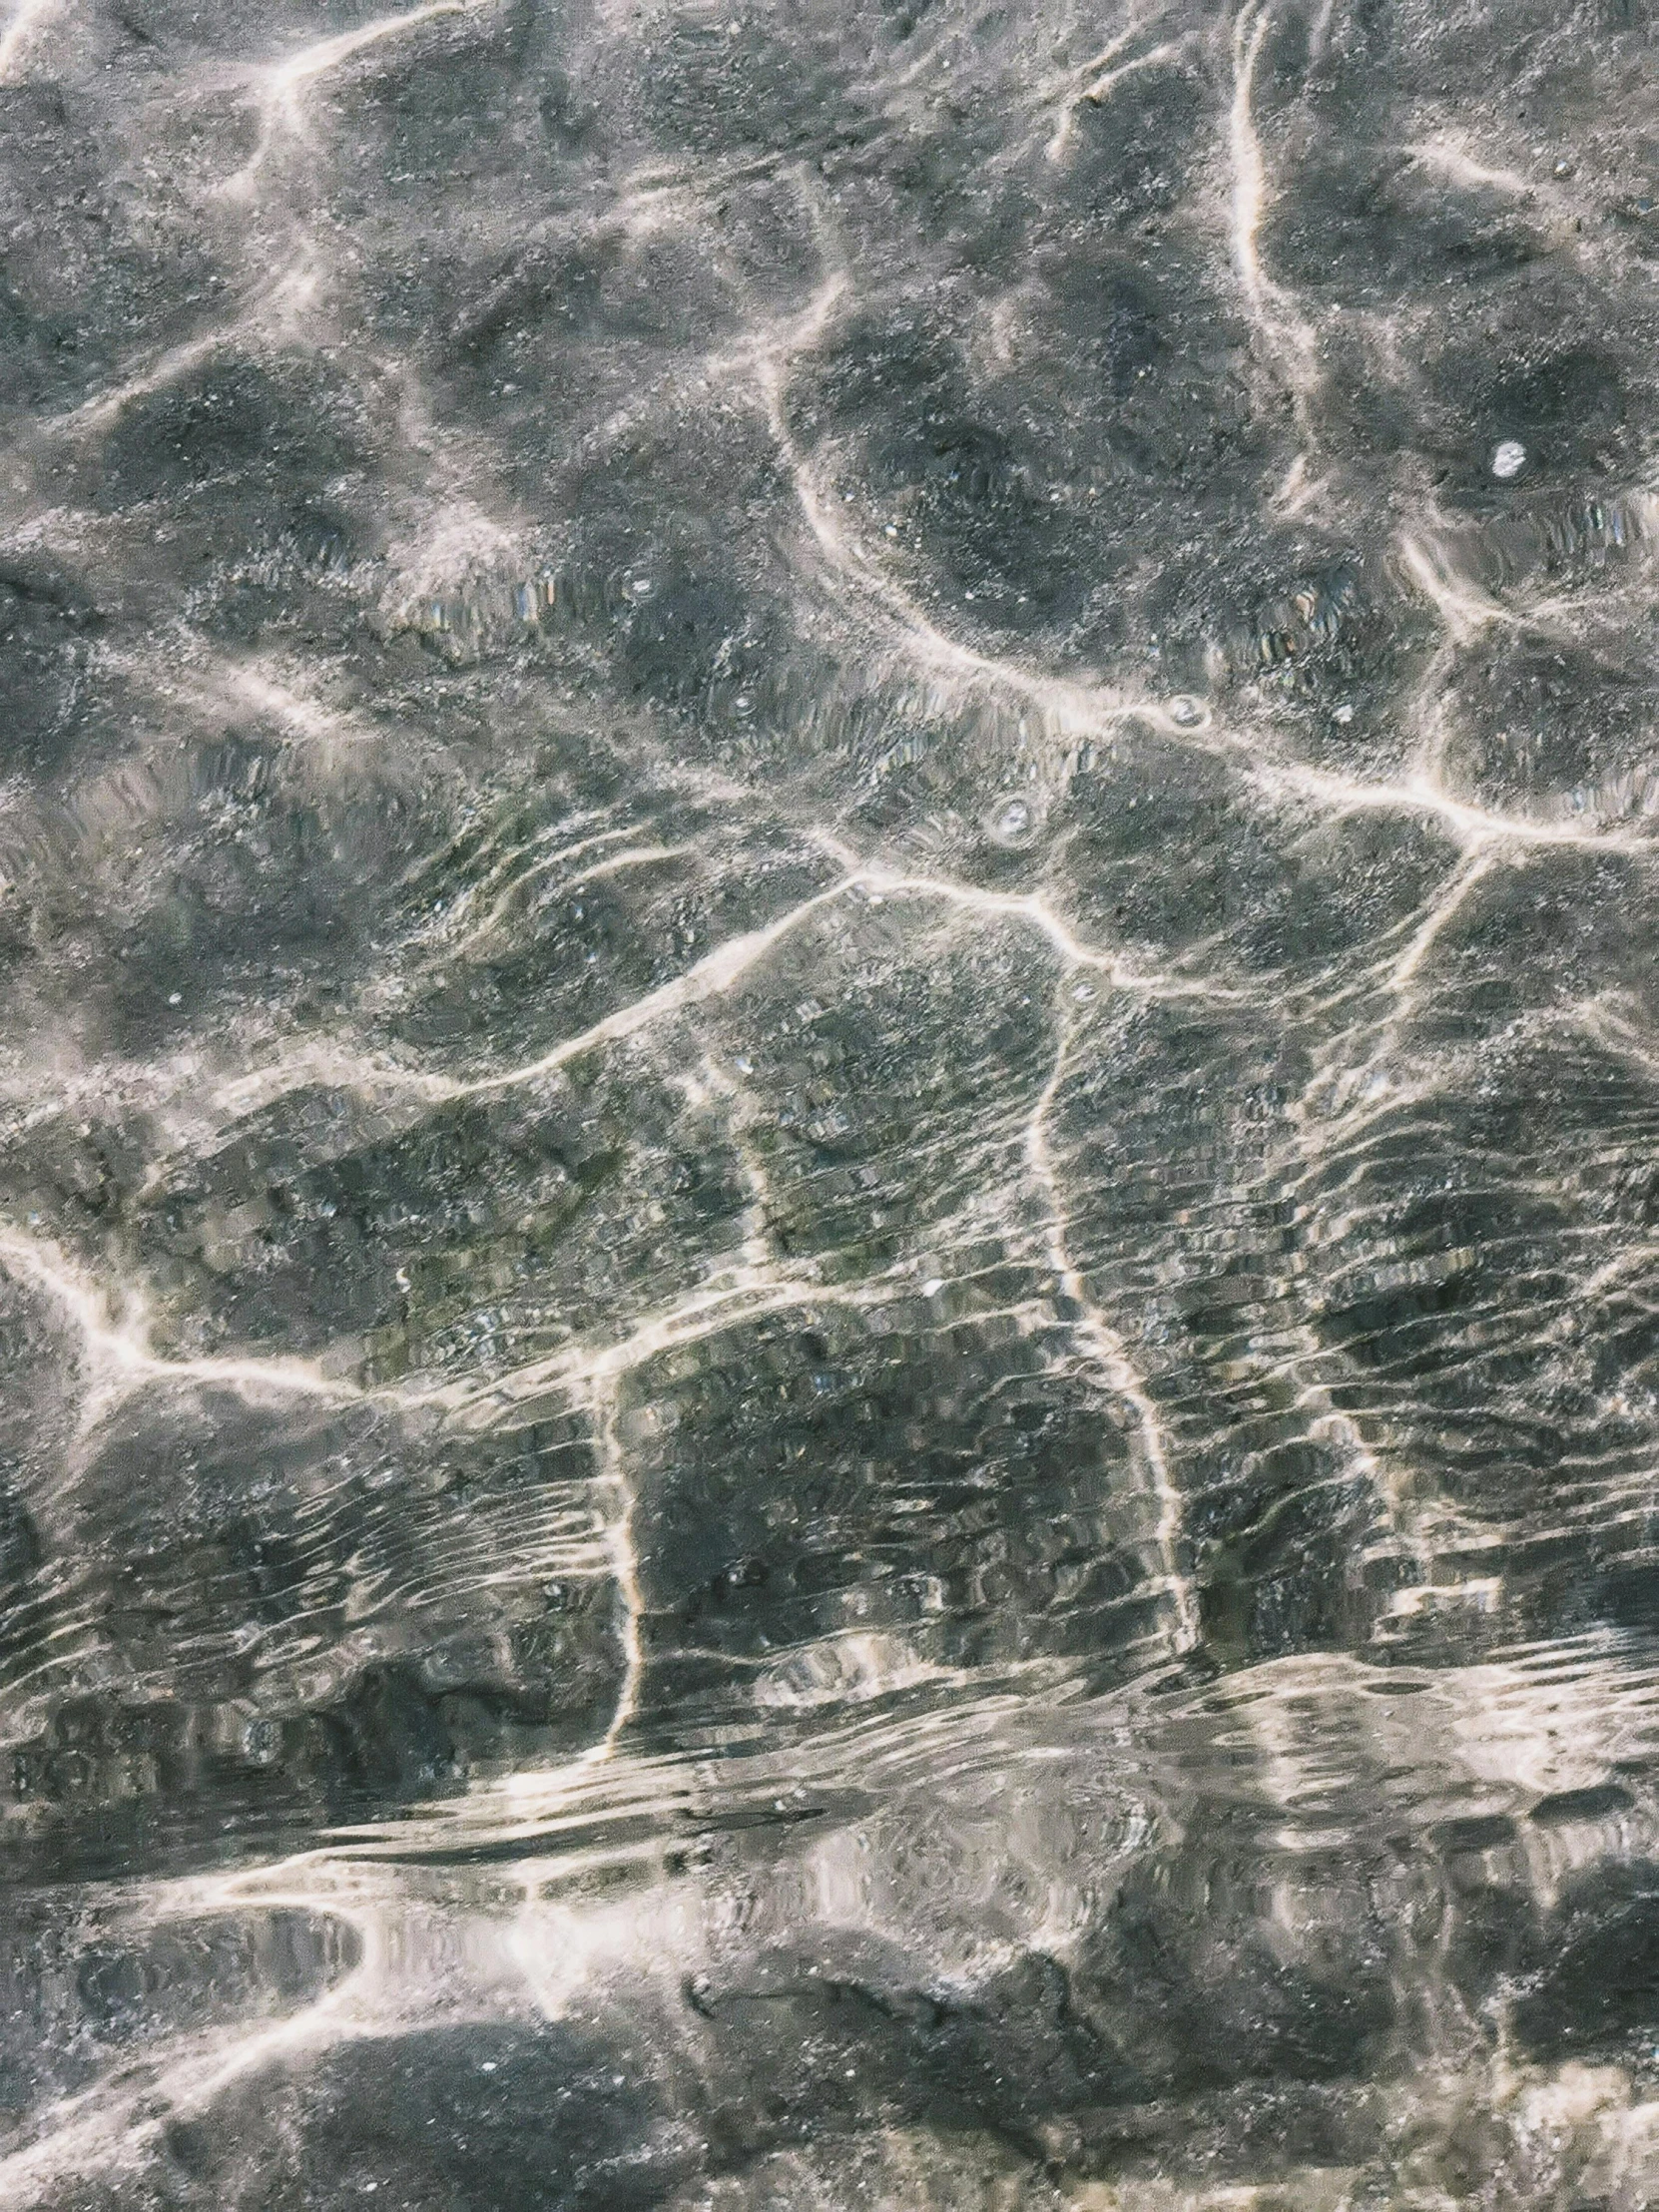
(280, 87)
(22, 32)
(115, 1345)
(1109, 1353)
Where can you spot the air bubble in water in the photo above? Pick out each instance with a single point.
(1010, 821)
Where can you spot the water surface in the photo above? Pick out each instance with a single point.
(828, 1098)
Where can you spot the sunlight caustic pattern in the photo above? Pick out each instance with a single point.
(827, 1222)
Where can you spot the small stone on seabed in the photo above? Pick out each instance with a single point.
(1508, 460)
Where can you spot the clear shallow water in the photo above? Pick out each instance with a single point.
(825, 1108)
